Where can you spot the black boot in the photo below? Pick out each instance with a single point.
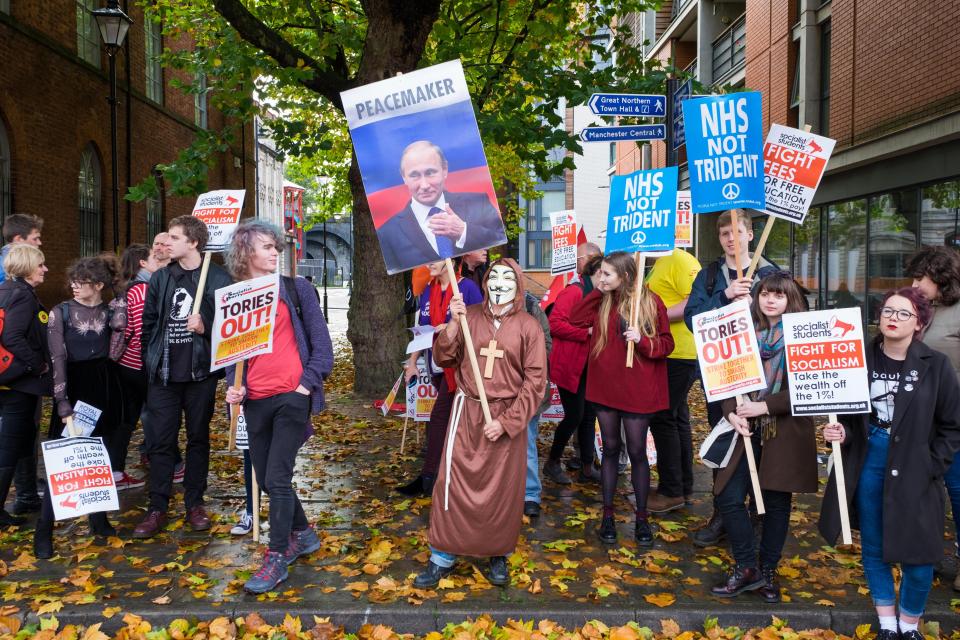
(100, 526)
(430, 577)
(770, 591)
(43, 533)
(740, 579)
(25, 481)
(711, 533)
(414, 488)
(6, 478)
(497, 574)
(608, 530)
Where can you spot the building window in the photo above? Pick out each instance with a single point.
(200, 101)
(89, 202)
(153, 68)
(806, 255)
(4, 6)
(88, 36)
(940, 214)
(894, 224)
(539, 246)
(6, 190)
(154, 217)
(846, 253)
(825, 78)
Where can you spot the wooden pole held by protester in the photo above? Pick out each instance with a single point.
(235, 408)
(72, 428)
(468, 341)
(734, 220)
(841, 487)
(641, 262)
(255, 490)
(752, 465)
(198, 298)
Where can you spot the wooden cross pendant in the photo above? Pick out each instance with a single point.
(491, 353)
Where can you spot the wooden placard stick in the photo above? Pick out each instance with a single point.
(198, 298)
(255, 490)
(841, 487)
(403, 438)
(468, 341)
(72, 428)
(734, 220)
(641, 262)
(752, 465)
(235, 408)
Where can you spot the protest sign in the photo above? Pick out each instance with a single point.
(826, 367)
(220, 211)
(422, 338)
(553, 413)
(420, 157)
(641, 216)
(422, 395)
(388, 401)
(243, 320)
(728, 351)
(793, 164)
(243, 439)
(684, 232)
(724, 151)
(79, 477)
(563, 230)
(85, 418)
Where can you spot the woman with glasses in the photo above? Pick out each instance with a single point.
(894, 459)
(79, 340)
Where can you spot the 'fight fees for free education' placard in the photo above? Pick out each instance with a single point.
(793, 164)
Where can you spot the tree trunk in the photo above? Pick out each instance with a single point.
(397, 32)
(376, 326)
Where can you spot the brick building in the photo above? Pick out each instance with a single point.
(55, 129)
(885, 84)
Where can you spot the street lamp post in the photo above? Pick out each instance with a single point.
(326, 313)
(113, 24)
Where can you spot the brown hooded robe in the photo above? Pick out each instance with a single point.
(480, 512)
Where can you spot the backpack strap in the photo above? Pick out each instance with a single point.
(713, 270)
(290, 284)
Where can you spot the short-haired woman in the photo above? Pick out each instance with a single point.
(278, 395)
(26, 375)
(936, 274)
(79, 339)
(894, 464)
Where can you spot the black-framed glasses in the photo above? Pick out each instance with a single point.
(900, 314)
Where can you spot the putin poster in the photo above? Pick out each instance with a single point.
(423, 166)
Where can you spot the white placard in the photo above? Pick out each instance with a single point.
(220, 211)
(79, 477)
(243, 320)
(793, 164)
(728, 351)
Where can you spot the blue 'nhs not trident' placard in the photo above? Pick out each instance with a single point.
(725, 151)
(642, 214)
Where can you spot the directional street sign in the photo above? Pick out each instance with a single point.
(624, 134)
(681, 94)
(628, 104)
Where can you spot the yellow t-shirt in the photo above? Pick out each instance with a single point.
(672, 278)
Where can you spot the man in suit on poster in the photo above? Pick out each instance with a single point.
(435, 223)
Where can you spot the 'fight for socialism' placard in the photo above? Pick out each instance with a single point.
(79, 477)
(825, 362)
(243, 320)
(728, 351)
(220, 211)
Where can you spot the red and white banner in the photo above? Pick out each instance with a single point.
(793, 164)
(79, 477)
(563, 230)
(220, 211)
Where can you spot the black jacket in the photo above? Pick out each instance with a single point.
(924, 437)
(25, 336)
(156, 313)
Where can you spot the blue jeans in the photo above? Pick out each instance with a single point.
(952, 479)
(917, 578)
(533, 485)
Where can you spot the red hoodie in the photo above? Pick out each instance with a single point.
(639, 389)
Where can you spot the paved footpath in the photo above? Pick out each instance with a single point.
(374, 541)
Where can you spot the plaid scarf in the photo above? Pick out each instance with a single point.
(772, 359)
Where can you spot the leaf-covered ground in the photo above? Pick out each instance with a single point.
(374, 542)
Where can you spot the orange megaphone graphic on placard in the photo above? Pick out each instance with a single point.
(839, 328)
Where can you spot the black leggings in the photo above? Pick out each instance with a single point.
(635, 426)
(578, 417)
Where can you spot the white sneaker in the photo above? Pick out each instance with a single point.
(243, 526)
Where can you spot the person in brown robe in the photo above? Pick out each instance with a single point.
(478, 497)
